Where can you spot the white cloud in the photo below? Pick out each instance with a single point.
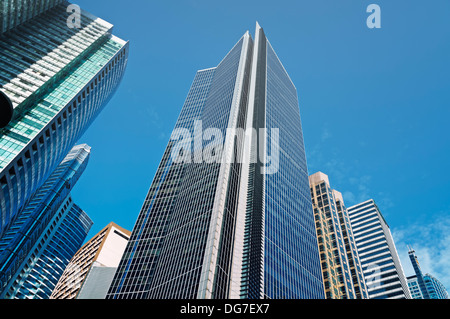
(360, 190)
(349, 197)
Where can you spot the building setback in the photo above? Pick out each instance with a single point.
(382, 269)
(233, 218)
(91, 270)
(36, 248)
(54, 81)
(341, 267)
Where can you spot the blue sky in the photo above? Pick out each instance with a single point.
(374, 103)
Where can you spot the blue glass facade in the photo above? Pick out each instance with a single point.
(216, 224)
(414, 289)
(58, 80)
(435, 288)
(292, 266)
(141, 257)
(39, 244)
(419, 275)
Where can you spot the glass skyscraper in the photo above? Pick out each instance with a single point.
(229, 212)
(424, 286)
(46, 234)
(436, 289)
(381, 265)
(55, 78)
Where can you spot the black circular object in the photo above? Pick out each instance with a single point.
(6, 110)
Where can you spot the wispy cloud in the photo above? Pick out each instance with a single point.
(360, 190)
(154, 119)
(326, 134)
(345, 173)
(153, 116)
(354, 188)
(431, 241)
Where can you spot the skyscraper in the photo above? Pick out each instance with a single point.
(36, 248)
(55, 78)
(419, 275)
(341, 267)
(229, 212)
(424, 286)
(91, 270)
(381, 265)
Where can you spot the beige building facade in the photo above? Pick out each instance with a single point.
(91, 270)
(341, 269)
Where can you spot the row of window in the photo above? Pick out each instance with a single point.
(58, 122)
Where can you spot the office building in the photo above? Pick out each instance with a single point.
(381, 265)
(91, 270)
(424, 286)
(436, 289)
(15, 12)
(420, 280)
(227, 216)
(414, 289)
(55, 78)
(36, 248)
(341, 268)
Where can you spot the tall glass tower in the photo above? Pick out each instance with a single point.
(55, 78)
(229, 212)
(46, 234)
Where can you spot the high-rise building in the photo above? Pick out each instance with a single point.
(36, 248)
(419, 275)
(381, 265)
(55, 78)
(414, 288)
(341, 268)
(91, 270)
(436, 289)
(15, 12)
(229, 212)
(424, 286)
